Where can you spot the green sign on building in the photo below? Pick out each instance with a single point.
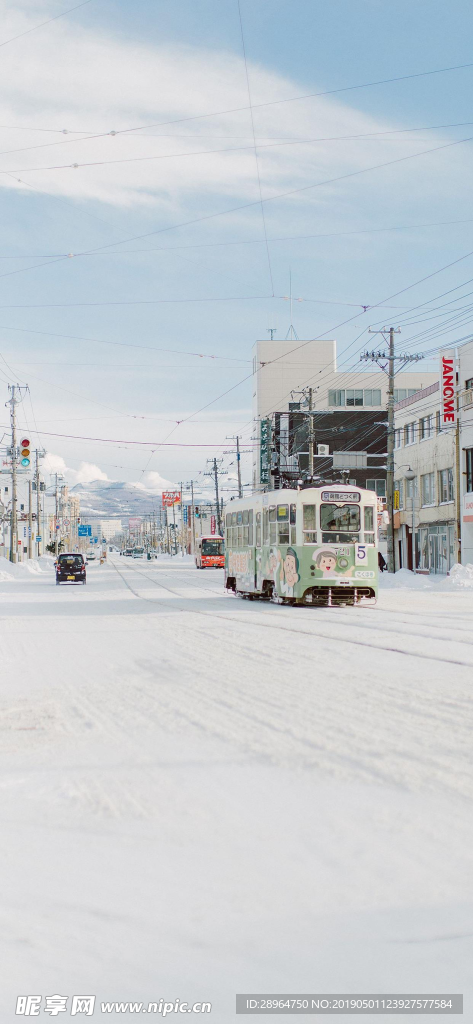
(265, 451)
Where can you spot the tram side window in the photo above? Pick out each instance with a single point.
(309, 524)
(245, 528)
(369, 525)
(283, 524)
(292, 519)
(340, 524)
(234, 530)
(273, 527)
(239, 538)
(250, 527)
(258, 529)
(265, 526)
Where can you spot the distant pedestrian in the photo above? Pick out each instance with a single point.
(381, 562)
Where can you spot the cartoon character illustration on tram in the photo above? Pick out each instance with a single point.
(329, 565)
(289, 573)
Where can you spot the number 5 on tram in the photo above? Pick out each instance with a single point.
(316, 546)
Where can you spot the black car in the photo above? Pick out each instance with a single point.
(70, 569)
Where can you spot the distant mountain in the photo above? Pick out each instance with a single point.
(114, 499)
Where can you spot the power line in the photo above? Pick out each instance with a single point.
(43, 23)
(263, 218)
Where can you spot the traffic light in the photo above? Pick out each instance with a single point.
(25, 452)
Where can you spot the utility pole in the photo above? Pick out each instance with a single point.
(16, 397)
(219, 522)
(387, 362)
(38, 503)
(237, 441)
(311, 437)
(56, 523)
(214, 472)
(30, 519)
(308, 397)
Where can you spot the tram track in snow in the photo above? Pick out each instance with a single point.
(248, 619)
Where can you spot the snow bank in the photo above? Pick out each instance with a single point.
(404, 578)
(20, 570)
(460, 576)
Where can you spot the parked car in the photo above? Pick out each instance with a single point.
(70, 568)
(91, 556)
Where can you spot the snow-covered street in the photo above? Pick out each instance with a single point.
(202, 795)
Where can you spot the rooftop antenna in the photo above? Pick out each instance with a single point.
(291, 334)
(271, 331)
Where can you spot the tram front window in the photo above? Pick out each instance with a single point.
(340, 525)
(212, 547)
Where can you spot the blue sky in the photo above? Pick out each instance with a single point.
(112, 66)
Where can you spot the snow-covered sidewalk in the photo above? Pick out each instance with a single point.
(203, 796)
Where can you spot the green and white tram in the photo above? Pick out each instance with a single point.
(312, 546)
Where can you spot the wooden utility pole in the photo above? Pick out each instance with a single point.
(387, 361)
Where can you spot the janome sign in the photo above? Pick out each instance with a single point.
(468, 508)
(447, 387)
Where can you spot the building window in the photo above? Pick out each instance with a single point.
(372, 396)
(445, 485)
(411, 489)
(398, 438)
(437, 421)
(401, 393)
(469, 469)
(469, 384)
(427, 487)
(398, 502)
(336, 398)
(378, 486)
(410, 433)
(426, 427)
(354, 397)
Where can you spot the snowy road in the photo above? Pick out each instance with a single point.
(202, 796)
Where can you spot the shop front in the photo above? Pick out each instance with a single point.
(435, 547)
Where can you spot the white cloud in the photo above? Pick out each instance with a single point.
(86, 474)
(153, 482)
(79, 79)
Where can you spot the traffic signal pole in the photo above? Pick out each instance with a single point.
(38, 504)
(14, 499)
(30, 519)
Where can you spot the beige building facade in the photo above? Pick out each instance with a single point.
(282, 368)
(426, 507)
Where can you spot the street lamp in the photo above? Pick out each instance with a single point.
(411, 475)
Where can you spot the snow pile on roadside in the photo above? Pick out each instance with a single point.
(18, 570)
(460, 576)
(404, 578)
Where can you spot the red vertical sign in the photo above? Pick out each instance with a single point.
(212, 524)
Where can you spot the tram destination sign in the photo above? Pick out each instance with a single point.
(340, 495)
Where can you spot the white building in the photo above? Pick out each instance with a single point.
(465, 388)
(283, 367)
(427, 504)
(110, 527)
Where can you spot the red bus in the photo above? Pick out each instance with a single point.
(210, 552)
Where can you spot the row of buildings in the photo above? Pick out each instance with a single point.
(315, 419)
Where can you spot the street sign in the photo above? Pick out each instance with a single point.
(38, 539)
(96, 540)
(212, 524)
(84, 531)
